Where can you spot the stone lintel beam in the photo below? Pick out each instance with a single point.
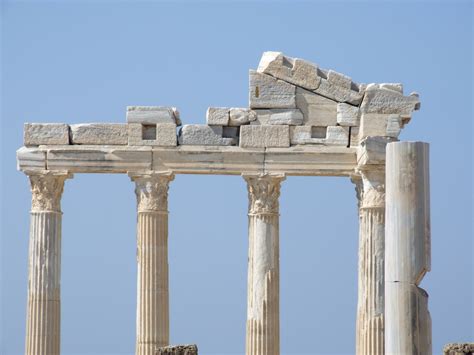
(218, 160)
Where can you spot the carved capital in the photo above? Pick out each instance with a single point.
(370, 187)
(152, 191)
(264, 193)
(46, 190)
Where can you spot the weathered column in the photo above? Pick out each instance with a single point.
(152, 258)
(407, 249)
(44, 264)
(370, 187)
(263, 299)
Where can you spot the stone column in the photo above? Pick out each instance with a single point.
(263, 300)
(44, 264)
(370, 187)
(152, 258)
(407, 249)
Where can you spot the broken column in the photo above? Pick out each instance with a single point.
(44, 264)
(152, 258)
(263, 302)
(407, 249)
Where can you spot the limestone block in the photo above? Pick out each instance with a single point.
(264, 136)
(371, 150)
(31, 159)
(408, 320)
(194, 134)
(332, 135)
(384, 125)
(99, 159)
(317, 110)
(293, 70)
(177, 350)
(99, 133)
(459, 349)
(163, 134)
(153, 115)
(339, 93)
(347, 115)
(217, 116)
(45, 134)
(339, 79)
(241, 116)
(382, 100)
(267, 92)
(292, 117)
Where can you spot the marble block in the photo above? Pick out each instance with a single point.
(267, 92)
(45, 134)
(317, 110)
(99, 133)
(347, 115)
(194, 134)
(264, 136)
(217, 116)
(293, 117)
(162, 135)
(153, 115)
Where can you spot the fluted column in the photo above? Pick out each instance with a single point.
(44, 264)
(263, 300)
(370, 187)
(152, 258)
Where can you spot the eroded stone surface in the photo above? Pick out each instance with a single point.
(292, 117)
(293, 70)
(388, 100)
(317, 110)
(347, 115)
(267, 92)
(99, 133)
(45, 133)
(177, 350)
(264, 136)
(153, 115)
(203, 135)
(217, 116)
(241, 116)
(383, 125)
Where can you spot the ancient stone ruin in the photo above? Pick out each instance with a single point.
(301, 120)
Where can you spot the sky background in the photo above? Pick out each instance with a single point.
(85, 61)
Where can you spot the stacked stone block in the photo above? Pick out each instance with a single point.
(292, 102)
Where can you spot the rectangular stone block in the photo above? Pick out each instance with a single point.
(354, 136)
(347, 115)
(293, 70)
(337, 135)
(45, 134)
(332, 135)
(267, 92)
(383, 125)
(31, 159)
(388, 100)
(99, 133)
(339, 93)
(264, 136)
(293, 117)
(339, 79)
(163, 135)
(153, 115)
(217, 116)
(194, 134)
(317, 110)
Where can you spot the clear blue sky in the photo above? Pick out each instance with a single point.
(85, 61)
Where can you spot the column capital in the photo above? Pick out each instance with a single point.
(46, 189)
(151, 189)
(264, 193)
(370, 186)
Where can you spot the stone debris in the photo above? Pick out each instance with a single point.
(177, 350)
(264, 136)
(194, 134)
(99, 133)
(459, 349)
(267, 92)
(45, 134)
(296, 71)
(153, 115)
(313, 106)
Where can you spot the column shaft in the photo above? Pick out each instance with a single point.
(370, 307)
(263, 301)
(152, 262)
(407, 249)
(44, 265)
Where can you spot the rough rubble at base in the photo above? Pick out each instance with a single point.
(292, 102)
